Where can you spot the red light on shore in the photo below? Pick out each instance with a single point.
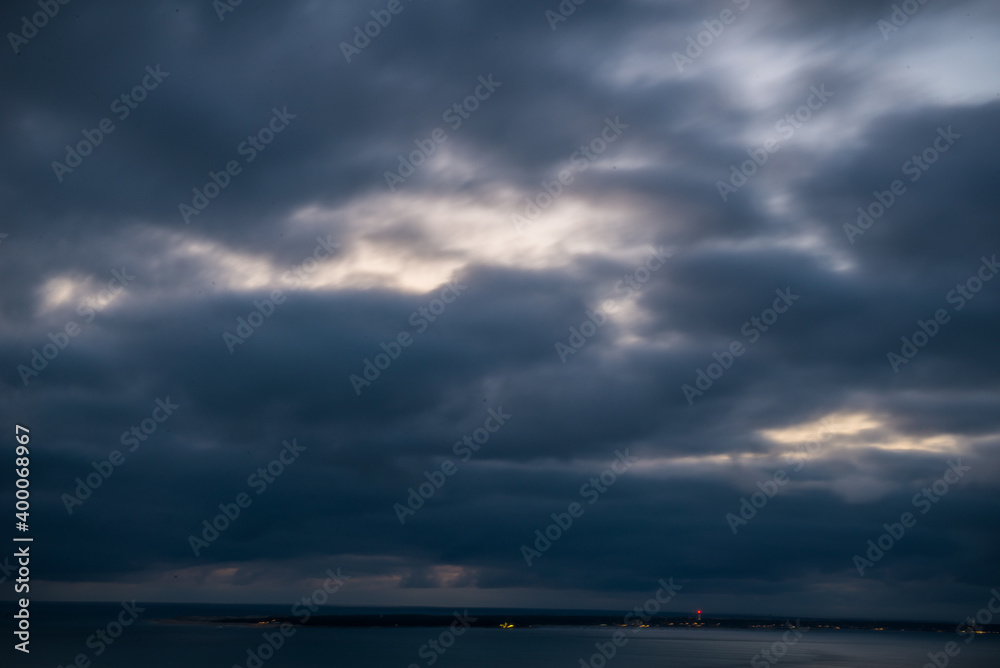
(699, 612)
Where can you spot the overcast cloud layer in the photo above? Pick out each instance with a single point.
(640, 236)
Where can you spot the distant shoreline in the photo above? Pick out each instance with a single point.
(521, 621)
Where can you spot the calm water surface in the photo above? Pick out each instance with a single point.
(62, 632)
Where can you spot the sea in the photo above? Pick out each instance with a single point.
(65, 636)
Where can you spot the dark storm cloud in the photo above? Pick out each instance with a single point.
(322, 178)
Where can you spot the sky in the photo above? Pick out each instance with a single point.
(518, 304)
